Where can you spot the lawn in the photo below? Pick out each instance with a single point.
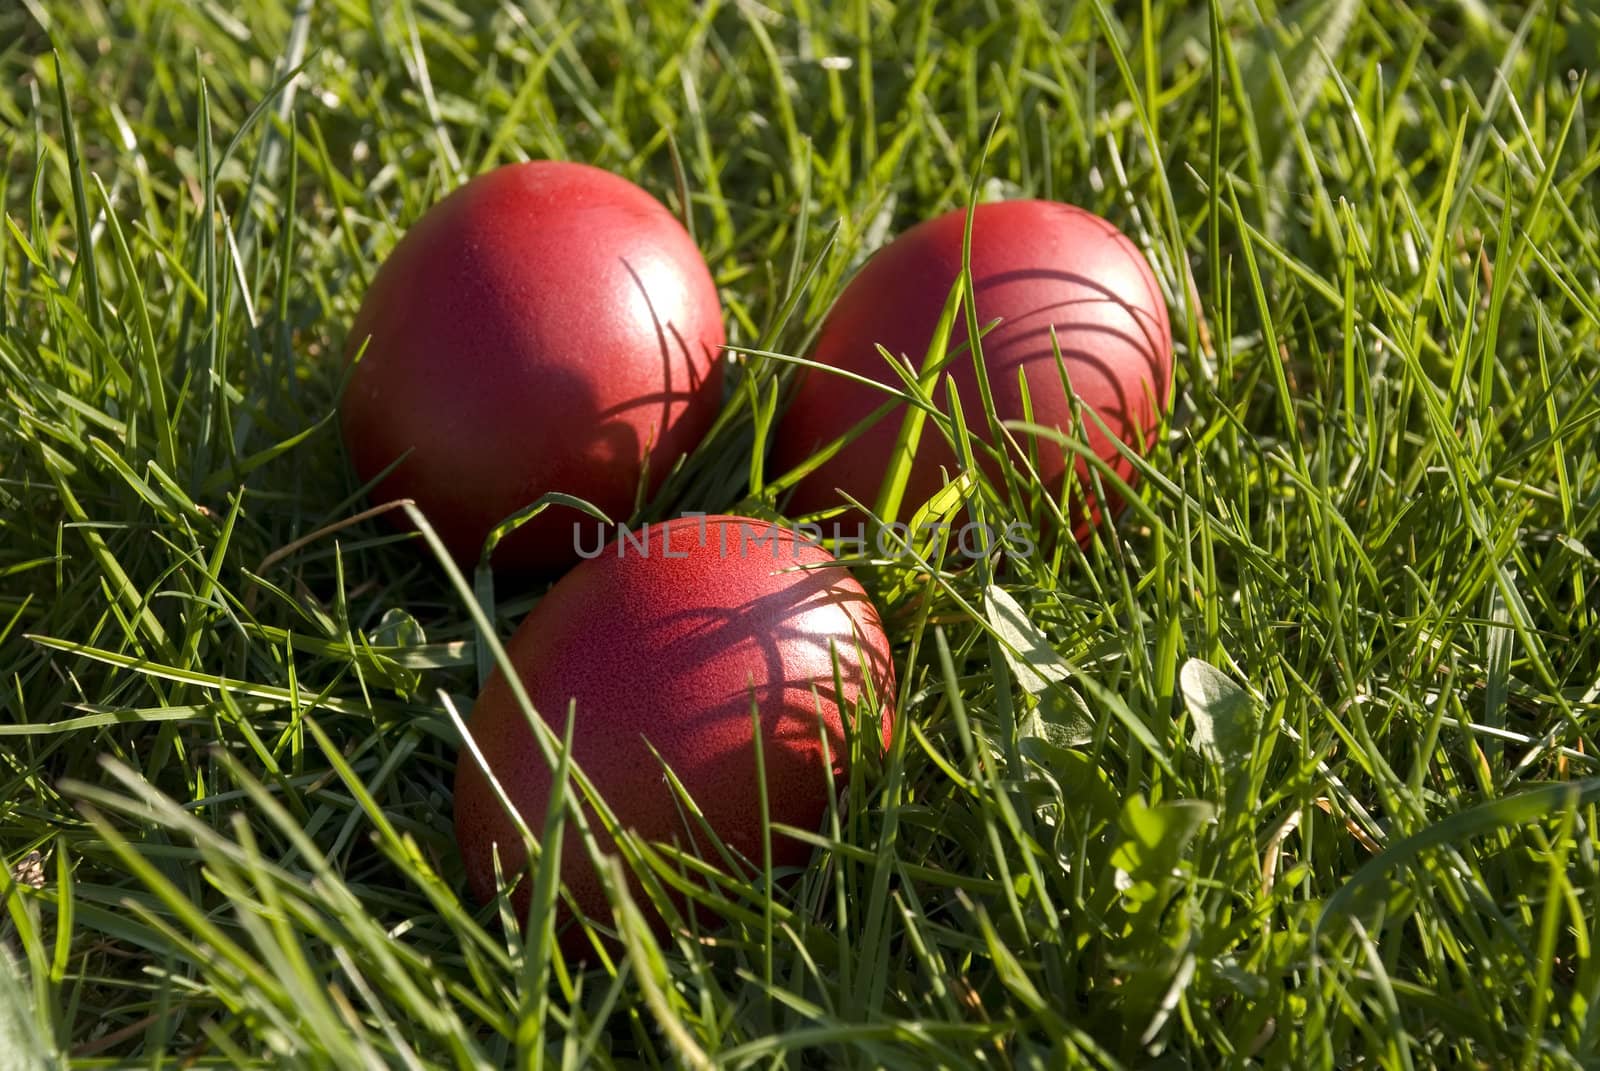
(1294, 764)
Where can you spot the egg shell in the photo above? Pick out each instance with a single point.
(661, 638)
(1034, 264)
(548, 326)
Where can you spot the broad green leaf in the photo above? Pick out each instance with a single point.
(1154, 840)
(398, 629)
(1063, 718)
(1315, 32)
(1224, 715)
(20, 1046)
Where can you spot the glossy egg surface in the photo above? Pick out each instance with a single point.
(1036, 265)
(548, 326)
(664, 640)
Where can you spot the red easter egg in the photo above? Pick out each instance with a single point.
(1035, 264)
(546, 327)
(662, 640)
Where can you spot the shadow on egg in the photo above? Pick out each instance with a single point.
(664, 646)
(546, 327)
(1035, 265)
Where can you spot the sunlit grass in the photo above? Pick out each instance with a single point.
(1290, 767)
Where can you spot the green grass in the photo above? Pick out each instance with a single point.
(1295, 766)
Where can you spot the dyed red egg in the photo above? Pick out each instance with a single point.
(1035, 265)
(663, 639)
(548, 326)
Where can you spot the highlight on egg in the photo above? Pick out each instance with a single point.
(1036, 265)
(659, 645)
(547, 327)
